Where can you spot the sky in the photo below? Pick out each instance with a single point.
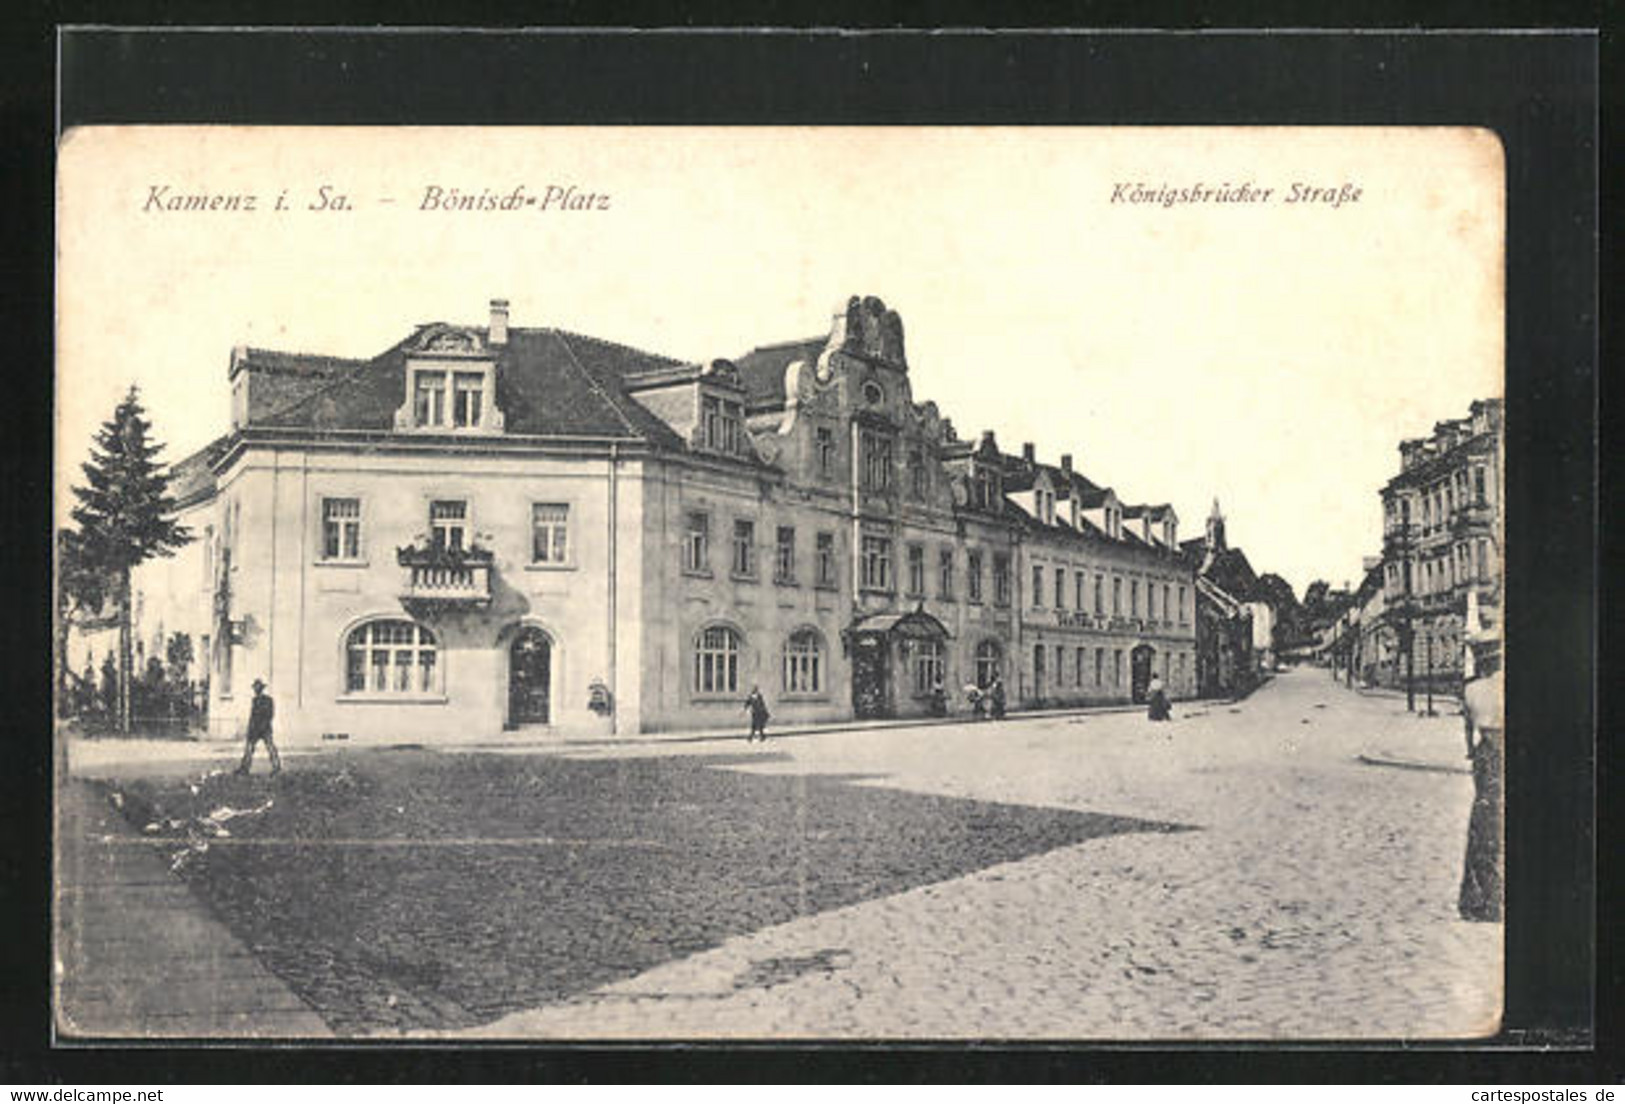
(1268, 354)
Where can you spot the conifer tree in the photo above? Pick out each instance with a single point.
(125, 517)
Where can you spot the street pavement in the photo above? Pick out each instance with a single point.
(1314, 900)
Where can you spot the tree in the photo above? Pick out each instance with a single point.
(80, 590)
(1277, 593)
(125, 517)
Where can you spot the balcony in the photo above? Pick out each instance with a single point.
(1478, 517)
(445, 578)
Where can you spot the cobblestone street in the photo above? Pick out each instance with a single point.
(1315, 900)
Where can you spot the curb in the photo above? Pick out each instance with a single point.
(1381, 759)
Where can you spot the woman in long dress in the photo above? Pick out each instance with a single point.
(1482, 702)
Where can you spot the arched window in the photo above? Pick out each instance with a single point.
(391, 657)
(804, 663)
(989, 657)
(716, 661)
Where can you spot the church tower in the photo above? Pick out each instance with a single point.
(1215, 529)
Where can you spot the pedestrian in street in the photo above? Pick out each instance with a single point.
(756, 706)
(1482, 704)
(996, 696)
(260, 713)
(977, 699)
(1159, 710)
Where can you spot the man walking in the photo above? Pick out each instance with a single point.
(260, 713)
(756, 706)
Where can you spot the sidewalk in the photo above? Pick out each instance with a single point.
(137, 954)
(108, 757)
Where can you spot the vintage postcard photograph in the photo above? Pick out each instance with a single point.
(779, 583)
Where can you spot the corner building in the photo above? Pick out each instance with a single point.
(488, 529)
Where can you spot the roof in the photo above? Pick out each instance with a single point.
(193, 477)
(549, 383)
(762, 369)
(908, 623)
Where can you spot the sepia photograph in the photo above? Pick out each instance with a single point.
(780, 583)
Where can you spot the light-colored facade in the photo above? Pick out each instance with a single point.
(1442, 541)
(491, 528)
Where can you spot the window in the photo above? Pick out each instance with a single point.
(1165, 614)
(1483, 560)
(916, 569)
(876, 462)
(1038, 586)
(722, 422)
(697, 542)
(803, 663)
(1001, 579)
(1117, 596)
(1134, 597)
(716, 661)
(989, 658)
(1078, 660)
(826, 559)
(1151, 600)
(1478, 486)
(825, 438)
(784, 562)
(1078, 591)
(1060, 588)
(1100, 604)
(549, 532)
(448, 524)
(973, 576)
(468, 398)
(341, 528)
(391, 657)
(916, 473)
(945, 573)
(1117, 667)
(429, 398)
(1179, 666)
(876, 563)
(1060, 665)
(927, 665)
(744, 563)
(1100, 665)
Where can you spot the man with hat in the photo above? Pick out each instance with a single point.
(1482, 703)
(259, 728)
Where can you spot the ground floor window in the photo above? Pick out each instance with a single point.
(1100, 665)
(804, 663)
(988, 657)
(1117, 667)
(716, 661)
(928, 668)
(1078, 665)
(391, 657)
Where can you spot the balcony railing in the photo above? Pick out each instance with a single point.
(1479, 515)
(449, 577)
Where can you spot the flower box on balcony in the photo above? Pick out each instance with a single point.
(438, 576)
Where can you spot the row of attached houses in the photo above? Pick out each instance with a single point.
(489, 528)
(1438, 581)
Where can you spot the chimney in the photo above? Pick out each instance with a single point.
(1027, 452)
(499, 322)
(987, 438)
(1066, 462)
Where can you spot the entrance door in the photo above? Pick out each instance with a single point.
(1141, 675)
(530, 671)
(871, 675)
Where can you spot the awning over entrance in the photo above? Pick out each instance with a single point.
(913, 625)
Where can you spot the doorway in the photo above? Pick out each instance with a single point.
(1140, 675)
(530, 678)
(871, 675)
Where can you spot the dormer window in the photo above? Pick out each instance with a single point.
(430, 409)
(723, 423)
